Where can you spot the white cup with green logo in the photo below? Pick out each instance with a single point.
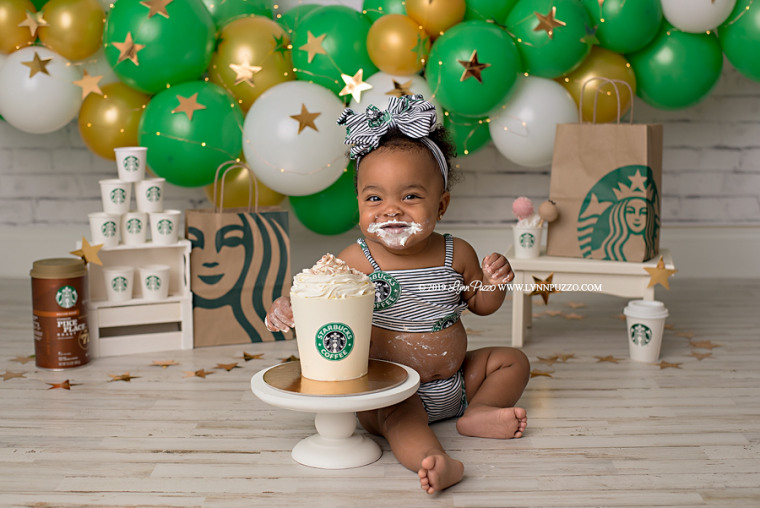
(645, 322)
(527, 241)
(134, 228)
(130, 162)
(105, 228)
(164, 227)
(116, 195)
(118, 282)
(149, 194)
(154, 282)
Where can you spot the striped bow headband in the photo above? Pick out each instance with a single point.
(410, 114)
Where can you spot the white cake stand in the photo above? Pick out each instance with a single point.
(336, 445)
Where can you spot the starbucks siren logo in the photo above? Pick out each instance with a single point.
(131, 164)
(641, 334)
(134, 226)
(108, 229)
(153, 282)
(119, 284)
(527, 240)
(445, 322)
(153, 194)
(66, 297)
(387, 289)
(118, 196)
(335, 341)
(165, 227)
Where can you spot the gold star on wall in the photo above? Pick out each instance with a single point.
(157, 7)
(545, 289)
(400, 89)
(659, 274)
(10, 375)
(472, 67)
(548, 22)
(89, 252)
(244, 72)
(89, 84)
(38, 65)
(128, 50)
(188, 105)
(354, 85)
(305, 119)
(314, 45)
(122, 377)
(33, 22)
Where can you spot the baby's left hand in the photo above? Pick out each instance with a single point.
(496, 270)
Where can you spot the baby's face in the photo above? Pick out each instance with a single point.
(400, 196)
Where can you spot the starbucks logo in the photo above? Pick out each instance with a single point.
(445, 322)
(335, 341)
(641, 334)
(387, 289)
(527, 240)
(118, 196)
(153, 282)
(66, 297)
(153, 193)
(108, 229)
(119, 284)
(134, 226)
(131, 164)
(165, 227)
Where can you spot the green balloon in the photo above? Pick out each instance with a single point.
(175, 49)
(375, 9)
(226, 11)
(627, 26)
(462, 93)
(344, 45)
(677, 69)
(544, 55)
(469, 134)
(739, 37)
(291, 19)
(332, 211)
(184, 150)
(485, 10)
(38, 4)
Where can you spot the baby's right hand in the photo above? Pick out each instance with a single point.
(280, 315)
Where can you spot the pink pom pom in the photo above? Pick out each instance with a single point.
(522, 207)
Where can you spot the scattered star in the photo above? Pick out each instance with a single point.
(666, 365)
(355, 85)
(576, 305)
(291, 358)
(10, 375)
(227, 366)
(33, 22)
(548, 361)
(536, 373)
(704, 344)
(619, 317)
(565, 357)
(198, 373)
(553, 312)
(37, 65)
(66, 385)
(669, 326)
(244, 72)
(548, 22)
(88, 252)
(686, 335)
(400, 89)
(659, 274)
(188, 105)
(314, 45)
(248, 357)
(574, 316)
(122, 377)
(128, 50)
(543, 283)
(89, 84)
(700, 356)
(472, 67)
(163, 363)
(305, 119)
(23, 359)
(608, 358)
(157, 7)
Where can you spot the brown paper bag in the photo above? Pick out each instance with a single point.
(605, 180)
(239, 264)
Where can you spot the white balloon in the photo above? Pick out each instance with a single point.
(383, 83)
(523, 129)
(288, 161)
(41, 103)
(697, 16)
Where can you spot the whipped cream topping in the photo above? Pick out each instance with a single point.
(530, 221)
(394, 233)
(331, 277)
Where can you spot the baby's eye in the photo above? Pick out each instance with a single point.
(373, 198)
(411, 196)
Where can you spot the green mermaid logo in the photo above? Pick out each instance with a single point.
(620, 214)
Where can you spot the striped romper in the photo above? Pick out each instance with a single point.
(423, 300)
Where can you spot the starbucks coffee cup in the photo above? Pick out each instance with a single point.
(645, 322)
(116, 196)
(118, 282)
(131, 162)
(527, 242)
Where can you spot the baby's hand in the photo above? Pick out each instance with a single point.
(280, 316)
(496, 270)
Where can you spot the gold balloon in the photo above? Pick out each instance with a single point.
(112, 119)
(398, 45)
(236, 191)
(601, 63)
(12, 36)
(75, 27)
(253, 55)
(436, 16)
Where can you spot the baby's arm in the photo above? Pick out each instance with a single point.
(484, 295)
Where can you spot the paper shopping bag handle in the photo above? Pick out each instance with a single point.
(253, 187)
(613, 82)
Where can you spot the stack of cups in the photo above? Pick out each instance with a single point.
(645, 321)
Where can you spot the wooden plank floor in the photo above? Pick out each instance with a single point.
(600, 433)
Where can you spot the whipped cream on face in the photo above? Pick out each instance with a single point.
(394, 233)
(331, 277)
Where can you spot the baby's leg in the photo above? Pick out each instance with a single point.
(494, 381)
(414, 443)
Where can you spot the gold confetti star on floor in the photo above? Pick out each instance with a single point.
(291, 358)
(537, 373)
(687, 335)
(198, 373)
(619, 317)
(704, 344)
(576, 305)
(608, 358)
(574, 316)
(163, 363)
(122, 377)
(66, 385)
(23, 359)
(548, 361)
(668, 365)
(668, 326)
(10, 375)
(227, 366)
(248, 357)
(700, 356)
(565, 358)
(553, 312)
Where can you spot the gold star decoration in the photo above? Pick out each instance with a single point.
(565, 357)
(608, 358)
(355, 85)
(553, 312)
(667, 365)
(122, 377)
(548, 361)
(542, 291)
(163, 363)
(10, 375)
(536, 373)
(244, 72)
(305, 119)
(291, 358)
(472, 67)
(704, 344)
(37, 65)
(248, 357)
(198, 373)
(66, 385)
(659, 274)
(548, 22)
(33, 22)
(686, 335)
(188, 105)
(89, 84)
(400, 89)
(23, 359)
(157, 7)
(700, 356)
(227, 366)
(314, 45)
(576, 305)
(574, 315)
(88, 252)
(128, 50)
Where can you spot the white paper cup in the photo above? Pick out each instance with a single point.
(149, 194)
(333, 336)
(105, 228)
(527, 242)
(164, 227)
(645, 322)
(118, 282)
(116, 196)
(130, 162)
(154, 281)
(134, 228)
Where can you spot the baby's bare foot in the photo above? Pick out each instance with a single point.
(439, 472)
(493, 422)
